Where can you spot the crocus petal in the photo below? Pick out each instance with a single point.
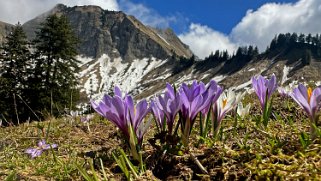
(54, 146)
(243, 111)
(261, 86)
(184, 99)
(130, 109)
(196, 92)
(315, 101)
(34, 152)
(41, 143)
(272, 85)
(117, 91)
(302, 99)
(142, 129)
(303, 91)
(170, 90)
(195, 106)
(119, 108)
(30, 150)
(158, 113)
(141, 112)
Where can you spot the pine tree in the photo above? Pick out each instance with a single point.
(15, 66)
(308, 38)
(273, 43)
(56, 66)
(301, 38)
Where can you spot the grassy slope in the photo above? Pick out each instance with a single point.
(243, 151)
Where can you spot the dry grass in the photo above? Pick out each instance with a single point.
(242, 151)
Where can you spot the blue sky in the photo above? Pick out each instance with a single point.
(204, 25)
(221, 15)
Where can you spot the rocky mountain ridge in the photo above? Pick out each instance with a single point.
(113, 33)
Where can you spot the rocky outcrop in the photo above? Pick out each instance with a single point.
(5, 29)
(114, 33)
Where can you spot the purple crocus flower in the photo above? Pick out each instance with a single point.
(136, 115)
(169, 104)
(264, 88)
(211, 95)
(309, 100)
(42, 146)
(158, 113)
(121, 111)
(195, 99)
(87, 118)
(198, 98)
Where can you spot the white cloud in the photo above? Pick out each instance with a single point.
(12, 11)
(260, 26)
(257, 27)
(147, 15)
(203, 40)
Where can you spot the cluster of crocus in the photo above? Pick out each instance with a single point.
(309, 100)
(195, 99)
(42, 146)
(121, 111)
(264, 89)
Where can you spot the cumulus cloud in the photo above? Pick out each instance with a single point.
(203, 40)
(12, 11)
(147, 15)
(257, 27)
(260, 26)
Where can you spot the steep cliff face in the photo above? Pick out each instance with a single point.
(5, 29)
(113, 33)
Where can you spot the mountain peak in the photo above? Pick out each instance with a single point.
(114, 33)
(59, 7)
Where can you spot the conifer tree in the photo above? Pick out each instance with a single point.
(15, 66)
(56, 66)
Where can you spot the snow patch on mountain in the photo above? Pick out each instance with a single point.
(104, 73)
(251, 69)
(83, 60)
(286, 71)
(219, 78)
(243, 86)
(88, 69)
